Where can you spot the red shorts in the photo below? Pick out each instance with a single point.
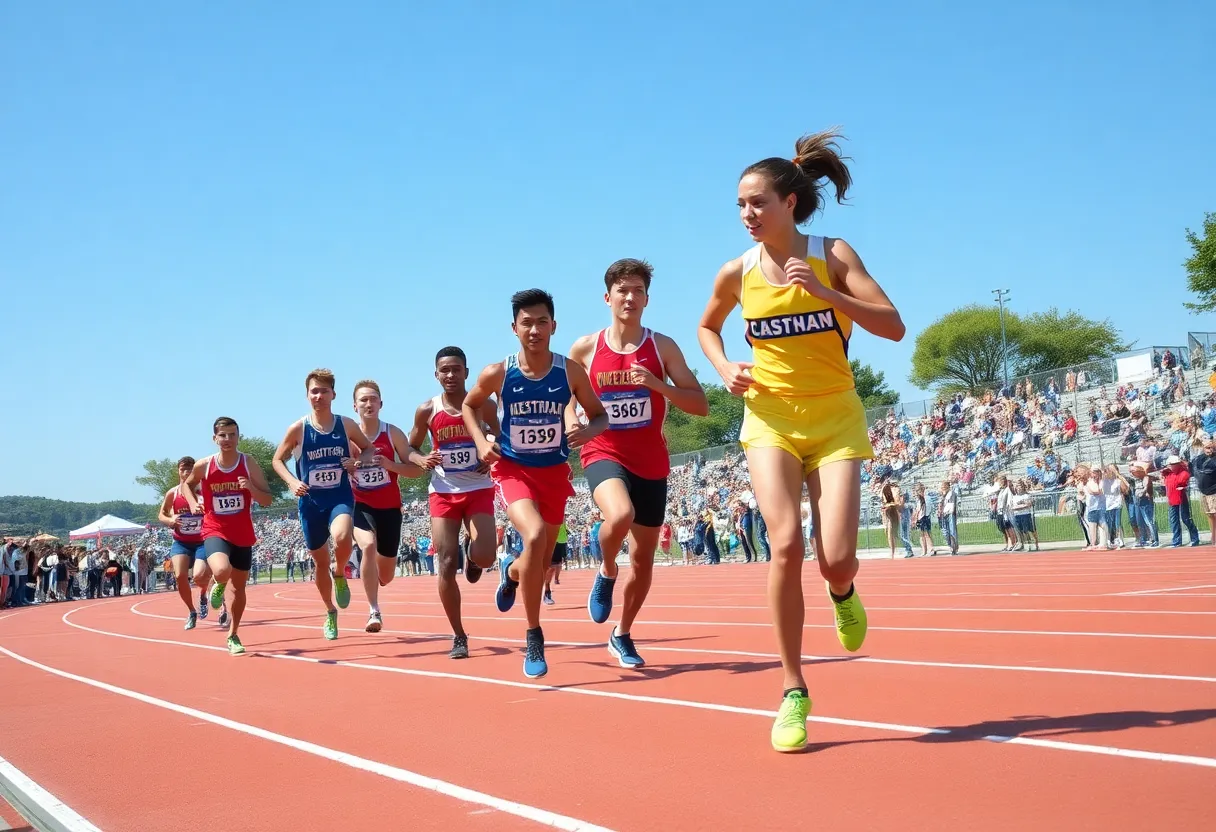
(549, 487)
(462, 504)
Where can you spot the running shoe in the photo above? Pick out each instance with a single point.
(548, 597)
(191, 620)
(331, 625)
(234, 646)
(599, 602)
(341, 592)
(223, 620)
(534, 655)
(472, 572)
(217, 595)
(505, 596)
(622, 649)
(789, 730)
(374, 622)
(851, 622)
(202, 605)
(460, 647)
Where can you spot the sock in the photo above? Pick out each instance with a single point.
(840, 599)
(373, 609)
(537, 632)
(805, 693)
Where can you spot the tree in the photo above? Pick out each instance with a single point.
(160, 475)
(262, 450)
(721, 427)
(962, 350)
(1201, 266)
(872, 386)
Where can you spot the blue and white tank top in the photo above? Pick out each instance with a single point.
(530, 412)
(319, 462)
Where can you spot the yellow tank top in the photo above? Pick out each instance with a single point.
(800, 344)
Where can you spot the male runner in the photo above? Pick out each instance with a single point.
(320, 443)
(555, 564)
(231, 481)
(187, 543)
(461, 492)
(627, 465)
(378, 499)
(534, 387)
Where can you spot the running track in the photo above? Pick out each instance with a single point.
(1061, 690)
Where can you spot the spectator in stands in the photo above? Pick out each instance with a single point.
(1203, 467)
(1144, 506)
(1114, 489)
(1177, 493)
(947, 514)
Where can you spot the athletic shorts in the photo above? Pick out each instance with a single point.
(315, 520)
(181, 547)
(559, 554)
(461, 505)
(649, 497)
(549, 487)
(818, 430)
(384, 523)
(241, 557)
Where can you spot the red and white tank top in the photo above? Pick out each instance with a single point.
(227, 508)
(457, 472)
(377, 487)
(189, 526)
(634, 438)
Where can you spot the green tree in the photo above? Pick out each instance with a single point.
(1201, 266)
(872, 386)
(262, 451)
(962, 350)
(721, 427)
(160, 475)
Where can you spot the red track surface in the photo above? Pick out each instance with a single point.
(682, 744)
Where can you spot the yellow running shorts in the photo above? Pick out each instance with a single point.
(815, 429)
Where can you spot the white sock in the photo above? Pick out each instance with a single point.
(373, 609)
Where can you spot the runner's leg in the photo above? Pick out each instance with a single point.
(181, 572)
(445, 534)
(643, 541)
(612, 498)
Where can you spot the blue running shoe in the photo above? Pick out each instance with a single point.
(505, 596)
(599, 602)
(622, 649)
(534, 655)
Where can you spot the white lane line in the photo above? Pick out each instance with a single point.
(916, 730)
(1164, 589)
(651, 648)
(541, 816)
(37, 805)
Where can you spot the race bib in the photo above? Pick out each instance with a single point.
(536, 438)
(458, 459)
(229, 503)
(189, 525)
(369, 478)
(325, 477)
(628, 409)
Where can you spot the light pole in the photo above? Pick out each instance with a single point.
(1001, 296)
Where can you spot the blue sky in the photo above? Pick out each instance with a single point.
(275, 187)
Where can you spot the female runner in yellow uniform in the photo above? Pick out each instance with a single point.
(803, 420)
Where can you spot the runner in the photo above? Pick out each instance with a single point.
(461, 492)
(627, 466)
(803, 420)
(187, 543)
(534, 387)
(320, 443)
(231, 481)
(377, 519)
(555, 564)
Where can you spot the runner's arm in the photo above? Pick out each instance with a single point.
(685, 391)
(858, 295)
(355, 434)
(489, 383)
(401, 445)
(583, 351)
(418, 431)
(597, 417)
(489, 416)
(258, 488)
(728, 286)
(284, 451)
(187, 487)
(166, 515)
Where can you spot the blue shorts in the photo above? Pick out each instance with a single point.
(190, 549)
(316, 518)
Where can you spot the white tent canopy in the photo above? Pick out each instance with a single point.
(107, 526)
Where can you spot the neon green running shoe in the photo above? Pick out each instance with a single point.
(851, 623)
(331, 625)
(234, 646)
(341, 592)
(789, 731)
(217, 595)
